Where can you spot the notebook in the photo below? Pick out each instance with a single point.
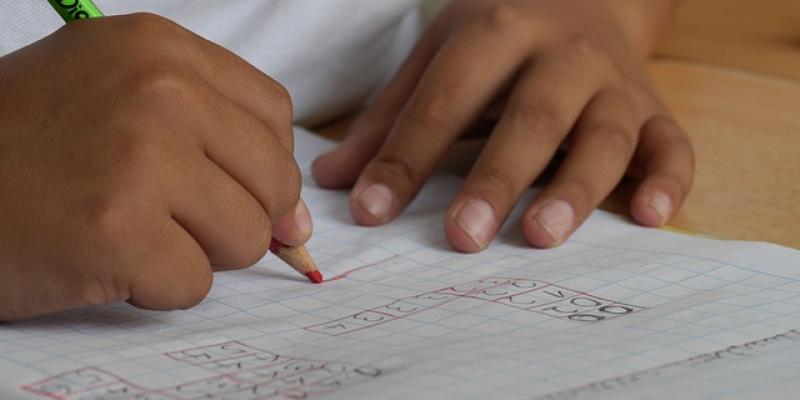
(618, 311)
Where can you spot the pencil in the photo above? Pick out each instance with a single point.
(71, 10)
(297, 257)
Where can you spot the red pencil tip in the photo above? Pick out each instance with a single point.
(314, 276)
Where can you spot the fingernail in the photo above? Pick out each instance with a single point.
(377, 200)
(556, 219)
(302, 218)
(662, 205)
(476, 218)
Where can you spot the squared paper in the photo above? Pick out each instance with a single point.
(618, 311)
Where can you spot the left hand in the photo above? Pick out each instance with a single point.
(566, 73)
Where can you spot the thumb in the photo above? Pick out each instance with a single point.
(294, 228)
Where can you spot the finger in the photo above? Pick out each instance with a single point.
(221, 215)
(604, 140)
(668, 160)
(246, 86)
(294, 228)
(451, 93)
(173, 272)
(247, 150)
(340, 167)
(544, 104)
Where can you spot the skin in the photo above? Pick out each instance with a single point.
(133, 168)
(556, 74)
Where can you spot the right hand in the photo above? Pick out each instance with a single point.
(135, 159)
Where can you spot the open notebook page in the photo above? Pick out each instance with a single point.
(619, 311)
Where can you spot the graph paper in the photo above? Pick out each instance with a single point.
(618, 311)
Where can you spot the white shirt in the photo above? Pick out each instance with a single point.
(330, 54)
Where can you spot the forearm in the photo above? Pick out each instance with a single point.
(643, 21)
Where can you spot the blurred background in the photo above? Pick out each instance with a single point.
(760, 35)
(730, 72)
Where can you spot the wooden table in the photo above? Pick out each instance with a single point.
(730, 72)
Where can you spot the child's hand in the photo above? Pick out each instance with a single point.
(135, 155)
(563, 73)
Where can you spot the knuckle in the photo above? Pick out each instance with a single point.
(535, 118)
(614, 134)
(581, 191)
(375, 121)
(582, 48)
(584, 51)
(673, 136)
(503, 16)
(433, 110)
(160, 87)
(147, 25)
(499, 184)
(281, 98)
(398, 169)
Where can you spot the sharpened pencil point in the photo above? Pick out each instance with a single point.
(315, 276)
(298, 258)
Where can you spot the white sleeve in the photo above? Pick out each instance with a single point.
(330, 55)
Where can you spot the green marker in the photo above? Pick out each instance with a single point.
(72, 10)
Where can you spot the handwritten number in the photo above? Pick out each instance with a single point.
(431, 296)
(232, 348)
(495, 281)
(586, 317)
(616, 309)
(187, 354)
(93, 377)
(556, 293)
(591, 302)
(530, 299)
(525, 284)
(366, 317)
(558, 310)
(368, 371)
(399, 307)
(489, 292)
